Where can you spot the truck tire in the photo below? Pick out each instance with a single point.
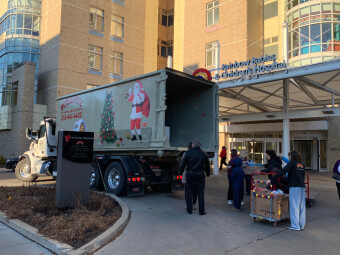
(22, 172)
(14, 165)
(94, 178)
(115, 179)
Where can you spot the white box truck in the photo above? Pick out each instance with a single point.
(142, 126)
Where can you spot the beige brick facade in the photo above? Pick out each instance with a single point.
(239, 32)
(14, 141)
(333, 152)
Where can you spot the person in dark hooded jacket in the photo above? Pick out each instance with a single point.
(237, 181)
(274, 162)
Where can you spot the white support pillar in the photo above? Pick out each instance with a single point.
(216, 166)
(286, 124)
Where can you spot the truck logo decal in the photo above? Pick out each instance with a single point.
(67, 138)
(76, 100)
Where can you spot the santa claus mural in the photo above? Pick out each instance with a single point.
(140, 107)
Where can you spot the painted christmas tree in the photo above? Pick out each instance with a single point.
(107, 129)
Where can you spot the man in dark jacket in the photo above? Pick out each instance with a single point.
(196, 162)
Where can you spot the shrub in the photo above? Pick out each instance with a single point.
(2, 160)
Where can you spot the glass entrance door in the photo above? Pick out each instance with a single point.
(255, 151)
(305, 149)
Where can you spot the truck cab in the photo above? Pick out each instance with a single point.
(41, 156)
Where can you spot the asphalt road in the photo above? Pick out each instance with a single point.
(7, 178)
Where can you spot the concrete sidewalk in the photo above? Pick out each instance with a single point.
(12, 243)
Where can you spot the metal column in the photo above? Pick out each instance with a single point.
(286, 124)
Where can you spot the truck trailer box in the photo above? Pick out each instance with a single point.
(154, 113)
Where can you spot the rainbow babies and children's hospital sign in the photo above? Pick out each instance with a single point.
(250, 68)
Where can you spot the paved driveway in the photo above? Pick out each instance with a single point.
(160, 225)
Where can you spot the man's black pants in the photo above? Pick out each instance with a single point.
(338, 186)
(195, 179)
(223, 162)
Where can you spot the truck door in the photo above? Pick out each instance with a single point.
(40, 150)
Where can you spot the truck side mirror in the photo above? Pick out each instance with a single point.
(29, 133)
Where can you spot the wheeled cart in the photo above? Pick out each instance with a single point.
(265, 205)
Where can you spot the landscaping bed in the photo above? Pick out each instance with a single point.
(74, 226)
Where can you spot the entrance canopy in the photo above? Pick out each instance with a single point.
(306, 92)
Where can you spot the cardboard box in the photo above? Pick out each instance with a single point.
(261, 205)
(252, 169)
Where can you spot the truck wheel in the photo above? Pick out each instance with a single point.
(14, 165)
(115, 179)
(94, 179)
(22, 172)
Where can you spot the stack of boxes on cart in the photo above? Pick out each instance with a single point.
(266, 203)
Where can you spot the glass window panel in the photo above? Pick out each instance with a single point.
(315, 48)
(304, 11)
(28, 21)
(216, 15)
(170, 20)
(326, 7)
(119, 31)
(29, 3)
(270, 146)
(21, 3)
(92, 22)
(99, 25)
(36, 23)
(304, 50)
(97, 62)
(163, 51)
(315, 9)
(209, 18)
(336, 32)
(209, 58)
(315, 34)
(326, 32)
(270, 10)
(37, 4)
(336, 7)
(295, 39)
(12, 23)
(90, 60)
(164, 20)
(304, 36)
(20, 21)
(170, 51)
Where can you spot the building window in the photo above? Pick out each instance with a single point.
(270, 10)
(167, 17)
(166, 48)
(271, 50)
(213, 13)
(97, 19)
(91, 86)
(116, 62)
(95, 57)
(117, 26)
(211, 54)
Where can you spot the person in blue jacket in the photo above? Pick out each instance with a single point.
(237, 180)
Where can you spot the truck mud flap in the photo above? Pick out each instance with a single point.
(134, 190)
(177, 185)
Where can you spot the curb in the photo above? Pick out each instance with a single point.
(65, 249)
